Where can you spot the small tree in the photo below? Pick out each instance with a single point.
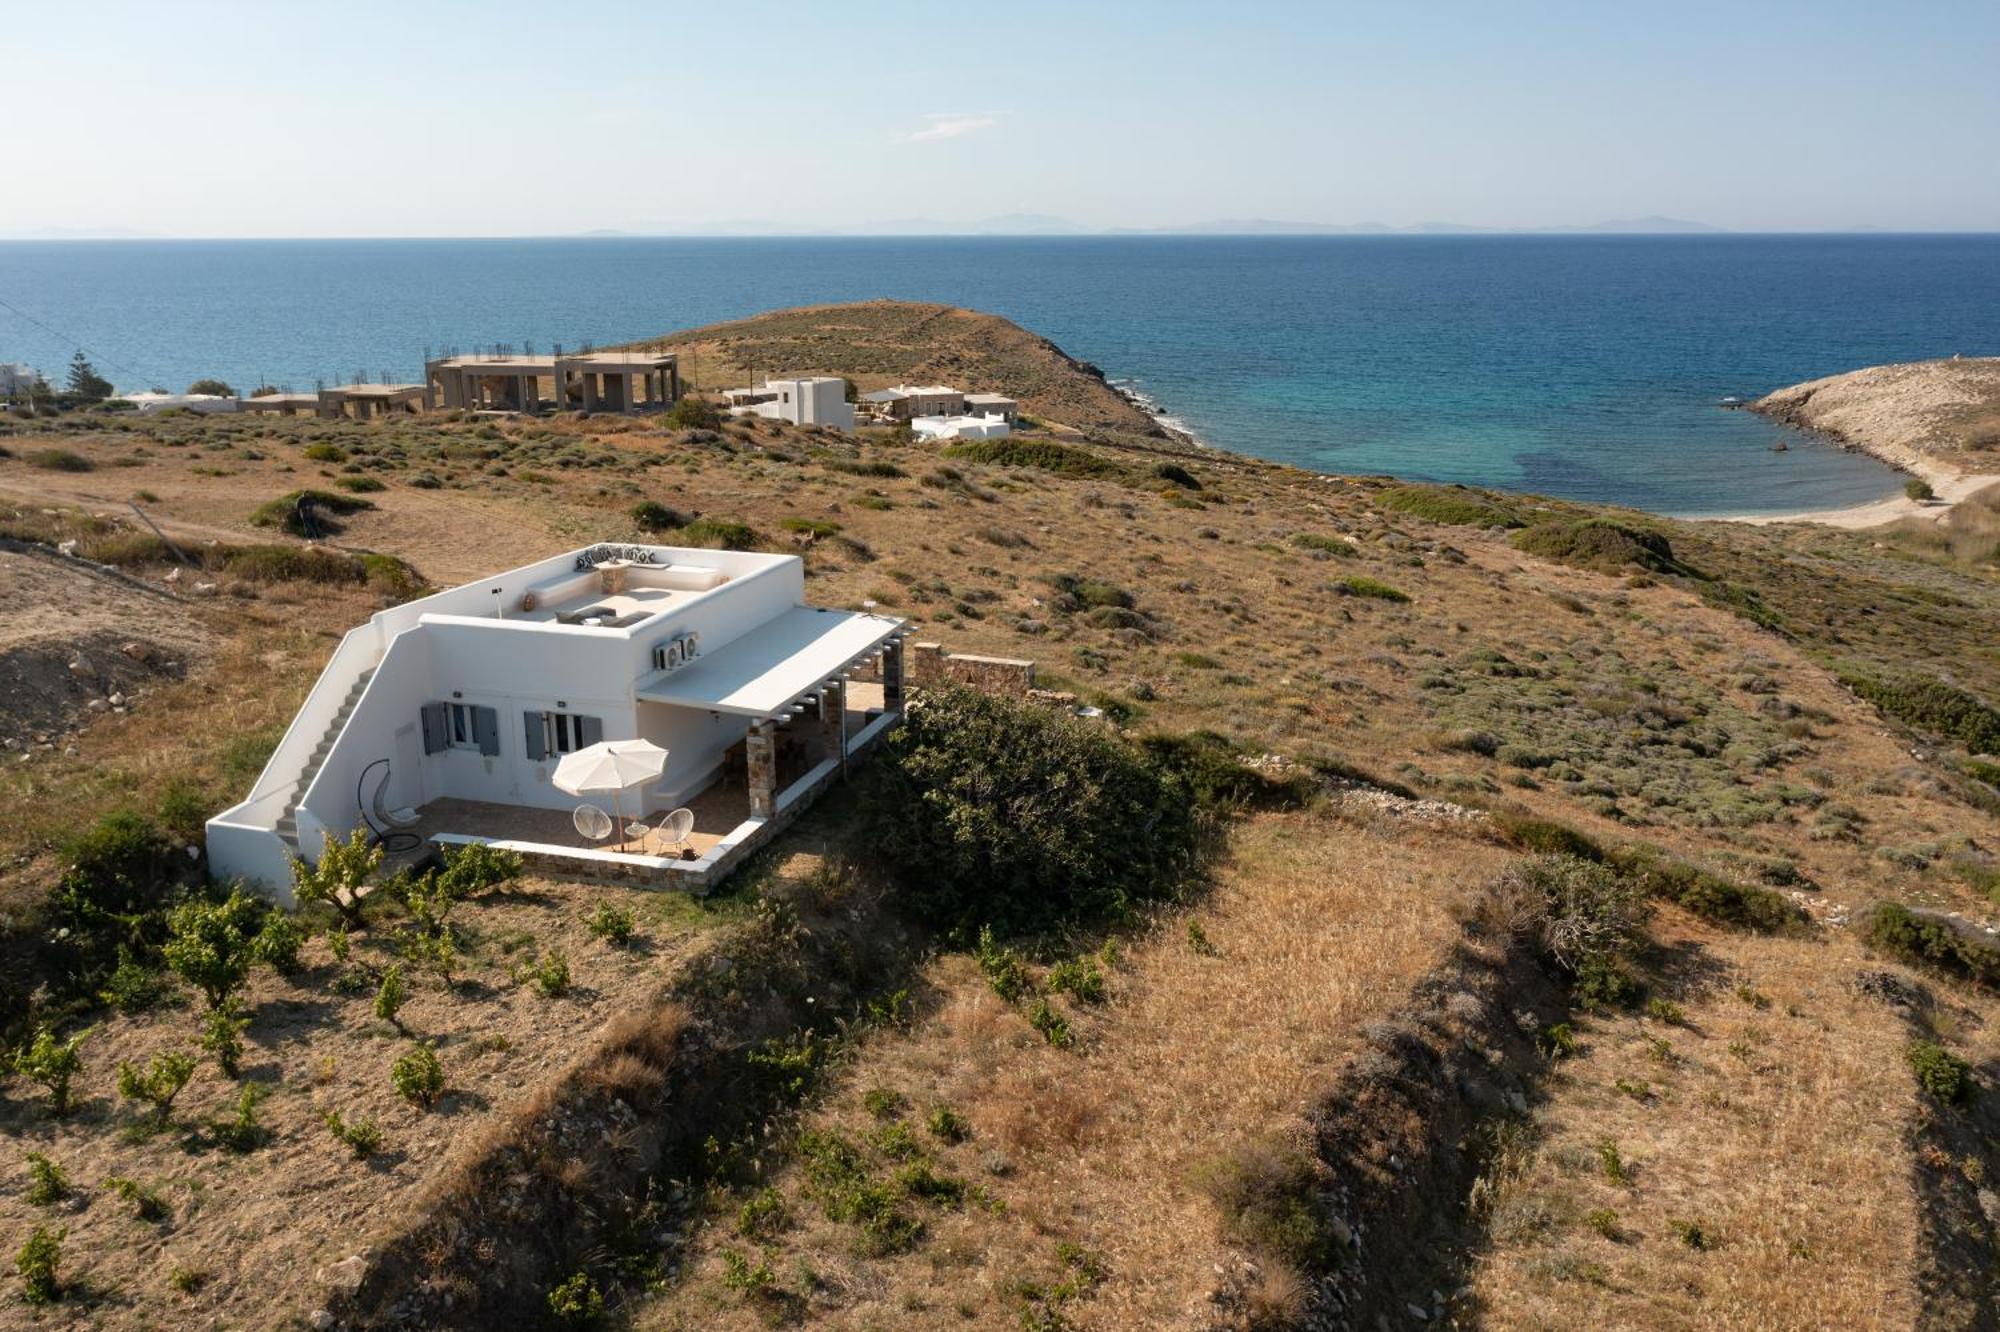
(158, 1085)
(47, 1182)
(52, 1063)
(85, 382)
(390, 997)
(37, 1262)
(343, 871)
(211, 945)
(213, 387)
(1919, 490)
(222, 1035)
(277, 944)
(418, 1076)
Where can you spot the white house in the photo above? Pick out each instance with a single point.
(16, 378)
(904, 402)
(819, 400)
(442, 720)
(961, 427)
(208, 404)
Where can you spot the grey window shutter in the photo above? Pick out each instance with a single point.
(435, 729)
(589, 730)
(486, 730)
(533, 734)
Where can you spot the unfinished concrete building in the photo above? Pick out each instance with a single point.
(614, 381)
(491, 383)
(362, 402)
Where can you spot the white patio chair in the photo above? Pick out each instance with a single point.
(675, 827)
(591, 822)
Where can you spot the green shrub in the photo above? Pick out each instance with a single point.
(1214, 773)
(158, 1085)
(1598, 544)
(222, 1034)
(1452, 505)
(292, 564)
(60, 460)
(52, 1063)
(991, 810)
(1612, 1162)
(763, 1216)
(1355, 585)
(947, 1124)
(1691, 1233)
(1741, 905)
(551, 974)
(1002, 966)
(326, 453)
(1044, 455)
(241, 1132)
(1580, 912)
(133, 987)
(883, 1102)
(1922, 939)
(745, 1277)
(1053, 1026)
(476, 867)
(337, 881)
(363, 1137)
(653, 516)
(1079, 978)
(719, 533)
(1175, 474)
(1325, 545)
(612, 924)
(145, 1201)
(692, 413)
(1933, 707)
(1941, 1073)
(360, 485)
(212, 945)
(277, 944)
(107, 904)
(391, 995)
(1919, 490)
(1544, 837)
(47, 1182)
(817, 527)
(39, 1262)
(327, 506)
(1270, 1199)
(417, 1076)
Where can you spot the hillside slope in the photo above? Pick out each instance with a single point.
(883, 342)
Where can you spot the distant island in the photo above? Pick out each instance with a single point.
(1043, 224)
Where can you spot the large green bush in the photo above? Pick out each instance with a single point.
(988, 810)
(1934, 707)
(1931, 941)
(1599, 544)
(1744, 906)
(117, 876)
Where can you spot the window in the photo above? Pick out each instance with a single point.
(461, 726)
(548, 733)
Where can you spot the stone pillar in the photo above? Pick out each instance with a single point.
(926, 665)
(831, 704)
(589, 392)
(760, 752)
(892, 676)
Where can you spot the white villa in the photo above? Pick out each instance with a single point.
(960, 427)
(441, 721)
(819, 400)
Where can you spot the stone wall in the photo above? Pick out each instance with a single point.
(929, 664)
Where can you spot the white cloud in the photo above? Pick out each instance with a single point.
(950, 127)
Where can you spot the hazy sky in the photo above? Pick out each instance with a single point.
(336, 118)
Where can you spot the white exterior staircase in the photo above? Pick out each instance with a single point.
(288, 822)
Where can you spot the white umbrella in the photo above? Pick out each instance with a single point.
(611, 767)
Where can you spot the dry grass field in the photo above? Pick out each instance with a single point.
(1798, 710)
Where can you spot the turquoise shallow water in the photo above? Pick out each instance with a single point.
(1587, 367)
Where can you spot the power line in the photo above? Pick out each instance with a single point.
(61, 336)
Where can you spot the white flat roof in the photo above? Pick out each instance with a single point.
(771, 667)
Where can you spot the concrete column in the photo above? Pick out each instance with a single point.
(892, 676)
(761, 758)
(526, 392)
(589, 392)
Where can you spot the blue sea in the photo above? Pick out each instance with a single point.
(1586, 367)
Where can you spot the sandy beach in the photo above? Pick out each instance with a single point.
(1926, 419)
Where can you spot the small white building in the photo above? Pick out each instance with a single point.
(960, 427)
(17, 379)
(208, 404)
(442, 721)
(820, 400)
